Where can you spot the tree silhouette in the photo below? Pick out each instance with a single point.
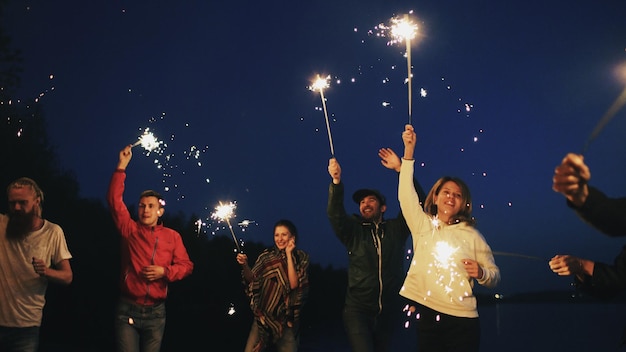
(209, 308)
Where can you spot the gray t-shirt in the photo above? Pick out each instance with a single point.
(22, 290)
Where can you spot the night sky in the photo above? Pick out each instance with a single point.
(512, 86)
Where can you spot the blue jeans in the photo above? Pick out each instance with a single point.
(287, 343)
(139, 328)
(368, 332)
(19, 339)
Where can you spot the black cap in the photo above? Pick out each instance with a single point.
(362, 193)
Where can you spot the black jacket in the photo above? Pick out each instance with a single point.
(375, 253)
(607, 215)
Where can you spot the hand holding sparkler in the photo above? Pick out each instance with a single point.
(409, 137)
(472, 268)
(320, 84)
(334, 170)
(125, 155)
(571, 178)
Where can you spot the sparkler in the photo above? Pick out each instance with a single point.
(608, 116)
(510, 254)
(402, 29)
(224, 212)
(320, 84)
(148, 141)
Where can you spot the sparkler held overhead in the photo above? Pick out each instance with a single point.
(224, 212)
(403, 30)
(319, 85)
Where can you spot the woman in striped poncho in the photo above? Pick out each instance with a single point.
(277, 285)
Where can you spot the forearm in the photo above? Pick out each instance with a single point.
(291, 272)
(61, 274)
(247, 273)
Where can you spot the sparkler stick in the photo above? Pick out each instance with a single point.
(509, 254)
(320, 84)
(404, 30)
(608, 116)
(224, 212)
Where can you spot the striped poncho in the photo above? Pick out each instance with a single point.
(272, 301)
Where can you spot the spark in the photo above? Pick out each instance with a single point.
(319, 85)
(148, 141)
(231, 309)
(443, 254)
(224, 212)
(246, 223)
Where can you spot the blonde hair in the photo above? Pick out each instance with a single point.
(465, 213)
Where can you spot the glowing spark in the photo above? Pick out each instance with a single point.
(231, 309)
(148, 141)
(443, 254)
(436, 222)
(199, 225)
(224, 212)
(246, 223)
(319, 85)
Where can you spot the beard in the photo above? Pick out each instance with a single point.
(20, 224)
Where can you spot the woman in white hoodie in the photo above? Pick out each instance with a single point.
(449, 255)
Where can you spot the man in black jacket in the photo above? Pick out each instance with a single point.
(375, 248)
(606, 214)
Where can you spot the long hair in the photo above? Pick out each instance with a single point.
(465, 213)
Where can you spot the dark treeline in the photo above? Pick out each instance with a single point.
(79, 317)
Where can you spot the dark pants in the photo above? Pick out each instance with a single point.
(139, 328)
(19, 339)
(369, 332)
(438, 332)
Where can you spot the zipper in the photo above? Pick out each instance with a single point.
(378, 244)
(156, 242)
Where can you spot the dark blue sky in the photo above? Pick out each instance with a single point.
(230, 79)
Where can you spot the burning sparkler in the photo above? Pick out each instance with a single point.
(320, 84)
(403, 30)
(224, 212)
(148, 141)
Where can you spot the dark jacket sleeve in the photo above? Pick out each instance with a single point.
(607, 280)
(339, 219)
(604, 213)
